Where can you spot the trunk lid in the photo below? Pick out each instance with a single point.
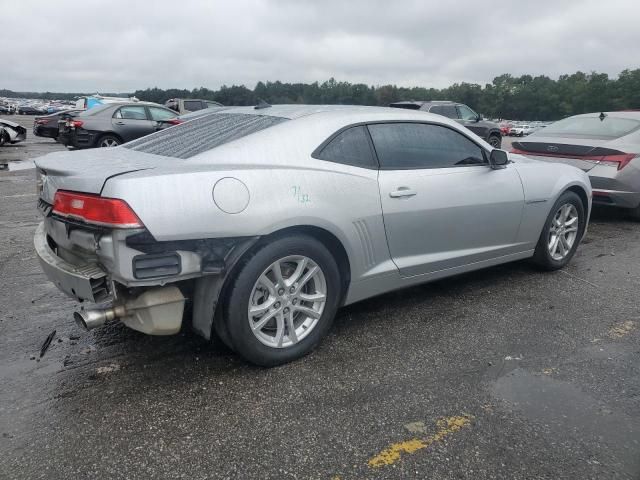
(88, 170)
(583, 153)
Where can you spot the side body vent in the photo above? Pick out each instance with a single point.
(365, 242)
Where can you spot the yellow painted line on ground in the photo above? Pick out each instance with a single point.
(446, 427)
(622, 329)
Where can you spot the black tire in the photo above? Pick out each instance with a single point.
(103, 141)
(542, 257)
(249, 270)
(2, 138)
(495, 141)
(634, 213)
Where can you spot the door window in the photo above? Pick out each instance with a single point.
(350, 147)
(193, 105)
(466, 113)
(159, 114)
(132, 113)
(417, 145)
(445, 110)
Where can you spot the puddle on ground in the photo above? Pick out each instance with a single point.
(567, 409)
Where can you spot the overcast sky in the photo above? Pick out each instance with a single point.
(121, 46)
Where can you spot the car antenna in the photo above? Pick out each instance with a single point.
(261, 104)
(602, 116)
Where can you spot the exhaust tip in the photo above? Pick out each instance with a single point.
(80, 321)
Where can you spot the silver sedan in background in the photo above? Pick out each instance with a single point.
(267, 220)
(606, 145)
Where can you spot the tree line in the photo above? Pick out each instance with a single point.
(525, 97)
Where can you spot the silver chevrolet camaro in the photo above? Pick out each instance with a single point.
(260, 222)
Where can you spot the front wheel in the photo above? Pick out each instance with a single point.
(562, 233)
(495, 141)
(283, 300)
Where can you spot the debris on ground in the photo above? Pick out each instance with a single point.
(47, 342)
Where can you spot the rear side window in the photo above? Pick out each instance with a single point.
(132, 113)
(417, 145)
(351, 147)
(158, 114)
(193, 105)
(203, 133)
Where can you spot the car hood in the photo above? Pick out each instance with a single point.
(88, 170)
(9, 123)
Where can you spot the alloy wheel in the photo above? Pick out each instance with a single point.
(563, 231)
(109, 142)
(287, 301)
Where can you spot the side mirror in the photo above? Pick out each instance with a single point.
(478, 118)
(498, 159)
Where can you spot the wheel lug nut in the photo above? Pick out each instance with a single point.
(281, 291)
(286, 310)
(276, 305)
(294, 301)
(292, 289)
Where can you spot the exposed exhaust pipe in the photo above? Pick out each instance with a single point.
(157, 311)
(90, 319)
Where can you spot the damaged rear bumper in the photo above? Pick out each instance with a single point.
(82, 282)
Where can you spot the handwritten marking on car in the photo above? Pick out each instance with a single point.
(299, 195)
(622, 329)
(446, 426)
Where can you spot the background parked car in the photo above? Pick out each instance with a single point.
(461, 113)
(605, 145)
(47, 126)
(28, 110)
(186, 105)
(112, 124)
(12, 132)
(521, 130)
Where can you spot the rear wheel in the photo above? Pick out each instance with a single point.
(283, 300)
(108, 141)
(635, 213)
(562, 233)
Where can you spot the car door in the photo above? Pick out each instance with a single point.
(469, 119)
(443, 205)
(131, 122)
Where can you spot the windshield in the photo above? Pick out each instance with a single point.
(609, 127)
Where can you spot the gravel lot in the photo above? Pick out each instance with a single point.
(507, 373)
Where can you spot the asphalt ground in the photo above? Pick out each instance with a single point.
(506, 373)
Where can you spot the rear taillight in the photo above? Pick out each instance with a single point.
(108, 212)
(175, 121)
(619, 161)
(41, 121)
(75, 123)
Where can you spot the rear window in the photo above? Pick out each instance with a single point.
(193, 105)
(202, 134)
(609, 127)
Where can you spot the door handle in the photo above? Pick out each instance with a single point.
(120, 123)
(402, 192)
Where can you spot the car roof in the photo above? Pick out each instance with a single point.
(635, 115)
(426, 102)
(293, 112)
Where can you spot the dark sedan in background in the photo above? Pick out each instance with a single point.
(112, 124)
(47, 125)
(461, 113)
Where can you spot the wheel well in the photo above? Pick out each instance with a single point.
(582, 194)
(333, 244)
(111, 134)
